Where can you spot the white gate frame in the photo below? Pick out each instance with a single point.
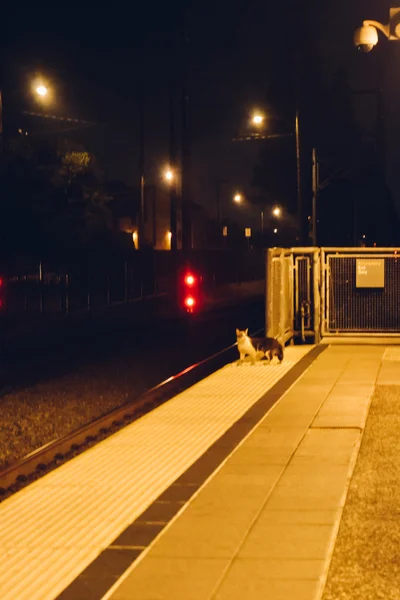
(280, 310)
(280, 300)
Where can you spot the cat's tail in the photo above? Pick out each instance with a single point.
(280, 352)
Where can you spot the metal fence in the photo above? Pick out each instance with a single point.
(357, 306)
(85, 283)
(315, 292)
(279, 301)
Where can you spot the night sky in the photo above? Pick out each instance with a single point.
(98, 60)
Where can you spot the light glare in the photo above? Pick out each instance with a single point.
(189, 280)
(41, 90)
(169, 175)
(277, 211)
(257, 119)
(189, 302)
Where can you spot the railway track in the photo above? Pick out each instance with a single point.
(50, 456)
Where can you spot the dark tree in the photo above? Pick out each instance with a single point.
(51, 196)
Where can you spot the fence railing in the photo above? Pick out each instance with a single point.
(279, 301)
(91, 282)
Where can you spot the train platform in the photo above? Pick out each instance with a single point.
(232, 489)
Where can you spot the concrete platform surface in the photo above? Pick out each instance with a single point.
(264, 525)
(84, 512)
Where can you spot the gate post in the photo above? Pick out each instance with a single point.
(283, 299)
(317, 295)
(323, 291)
(268, 293)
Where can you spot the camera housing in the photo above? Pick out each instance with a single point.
(365, 38)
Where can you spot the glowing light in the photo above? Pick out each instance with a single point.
(238, 198)
(277, 211)
(257, 119)
(190, 302)
(189, 280)
(169, 175)
(275, 231)
(41, 90)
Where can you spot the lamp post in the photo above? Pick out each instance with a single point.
(142, 182)
(257, 120)
(218, 185)
(38, 88)
(275, 212)
(170, 177)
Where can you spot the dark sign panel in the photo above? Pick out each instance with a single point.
(370, 273)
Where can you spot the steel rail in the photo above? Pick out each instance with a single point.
(53, 454)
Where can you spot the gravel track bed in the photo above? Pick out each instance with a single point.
(366, 559)
(102, 377)
(40, 413)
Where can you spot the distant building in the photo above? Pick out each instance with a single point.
(125, 205)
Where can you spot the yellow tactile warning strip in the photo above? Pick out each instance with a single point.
(265, 523)
(53, 529)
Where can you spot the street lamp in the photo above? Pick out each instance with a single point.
(42, 90)
(169, 175)
(277, 211)
(37, 89)
(238, 198)
(257, 119)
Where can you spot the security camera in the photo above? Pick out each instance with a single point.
(365, 38)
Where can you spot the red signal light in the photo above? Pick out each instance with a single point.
(190, 280)
(189, 290)
(2, 304)
(190, 302)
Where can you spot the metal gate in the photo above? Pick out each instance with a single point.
(292, 304)
(362, 291)
(316, 292)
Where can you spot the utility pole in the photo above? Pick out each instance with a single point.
(187, 237)
(218, 201)
(218, 184)
(141, 172)
(1, 122)
(173, 165)
(314, 196)
(298, 172)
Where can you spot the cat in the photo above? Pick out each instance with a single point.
(254, 347)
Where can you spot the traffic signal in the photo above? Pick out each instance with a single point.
(190, 291)
(2, 293)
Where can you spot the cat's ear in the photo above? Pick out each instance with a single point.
(247, 331)
(237, 331)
